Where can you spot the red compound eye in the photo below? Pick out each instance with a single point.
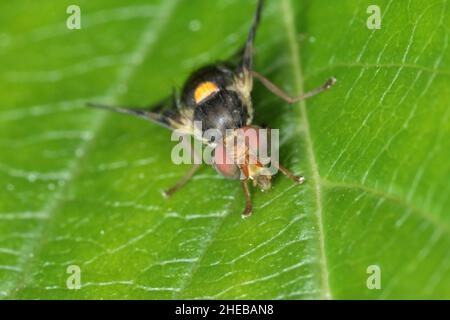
(251, 136)
(246, 138)
(223, 163)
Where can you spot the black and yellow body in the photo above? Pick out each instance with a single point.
(216, 98)
(219, 97)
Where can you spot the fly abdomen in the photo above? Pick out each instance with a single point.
(222, 111)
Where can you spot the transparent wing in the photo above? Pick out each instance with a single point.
(167, 113)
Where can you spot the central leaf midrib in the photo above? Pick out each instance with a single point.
(287, 10)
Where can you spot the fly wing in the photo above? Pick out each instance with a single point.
(243, 58)
(247, 58)
(244, 74)
(167, 113)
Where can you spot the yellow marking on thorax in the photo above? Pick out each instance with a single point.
(205, 90)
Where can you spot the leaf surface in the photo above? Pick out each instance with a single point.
(83, 187)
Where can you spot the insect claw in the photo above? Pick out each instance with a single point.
(299, 179)
(247, 212)
(330, 82)
(166, 194)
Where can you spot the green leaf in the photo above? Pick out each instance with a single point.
(83, 187)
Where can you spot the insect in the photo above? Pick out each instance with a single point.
(219, 97)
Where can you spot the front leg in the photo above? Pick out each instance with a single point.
(289, 174)
(248, 202)
(168, 193)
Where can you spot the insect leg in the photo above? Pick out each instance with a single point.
(289, 174)
(168, 193)
(283, 95)
(185, 179)
(248, 202)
